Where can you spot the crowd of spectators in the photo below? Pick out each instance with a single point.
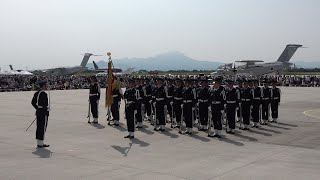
(28, 83)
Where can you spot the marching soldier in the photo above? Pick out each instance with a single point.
(178, 100)
(240, 89)
(217, 101)
(94, 97)
(160, 103)
(139, 103)
(195, 87)
(203, 96)
(275, 101)
(169, 92)
(256, 103)
(41, 104)
(130, 97)
(232, 100)
(246, 102)
(117, 95)
(188, 106)
(147, 98)
(266, 98)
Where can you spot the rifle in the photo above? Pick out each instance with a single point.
(89, 114)
(172, 122)
(181, 121)
(241, 119)
(209, 120)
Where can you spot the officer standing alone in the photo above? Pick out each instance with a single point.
(94, 97)
(41, 103)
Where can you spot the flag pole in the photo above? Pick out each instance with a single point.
(109, 88)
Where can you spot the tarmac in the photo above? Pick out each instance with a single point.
(289, 149)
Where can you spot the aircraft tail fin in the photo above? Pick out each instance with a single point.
(128, 71)
(11, 68)
(85, 59)
(96, 67)
(288, 52)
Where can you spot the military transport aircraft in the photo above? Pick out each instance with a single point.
(257, 67)
(68, 70)
(96, 68)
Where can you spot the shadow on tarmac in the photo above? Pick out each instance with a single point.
(42, 153)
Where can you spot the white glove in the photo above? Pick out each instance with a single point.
(222, 111)
(209, 108)
(193, 109)
(198, 104)
(237, 108)
(154, 104)
(181, 105)
(171, 103)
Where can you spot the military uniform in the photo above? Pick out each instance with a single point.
(147, 99)
(217, 101)
(240, 89)
(256, 104)
(131, 97)
(94, 97)
(41, 104)
(246, 102)
(203, 96)
(139, 104)
(275, 101)
(266, 98)
(177, 102)
(188, 107)
(232, 101)
(169, 92)
(115, 106)
(159, 95)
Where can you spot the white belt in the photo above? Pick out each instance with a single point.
(140, 98)
(231, 102)
(41, 107)
(257, 98)
(245, 99)
(159, 99)
(93, 94)
(216, 102)
(129, 102)
(200, 100)
(276, 98)
(177, 98)
(265, 98)
(187, 101)
(169, 96)
(148, 95)
(114, 95)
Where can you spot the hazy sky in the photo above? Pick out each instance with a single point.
(51, 33)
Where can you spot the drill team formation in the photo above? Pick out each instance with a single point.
(183, 103)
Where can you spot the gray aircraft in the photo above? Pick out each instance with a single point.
(68, 70)
(257, 67)
(97, 69)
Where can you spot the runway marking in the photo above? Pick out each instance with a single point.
(309, 113)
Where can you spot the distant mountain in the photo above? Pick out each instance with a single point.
(163, 62)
